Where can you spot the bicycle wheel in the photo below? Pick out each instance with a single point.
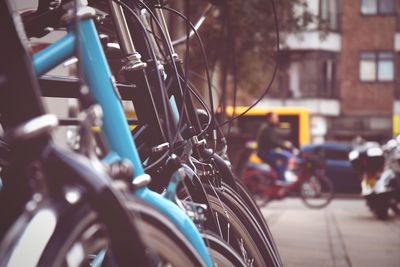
(81, 239)
(260, 198)
(256, 212)
(240, 230)
(317, 191)
(221, 252)
(36, 239)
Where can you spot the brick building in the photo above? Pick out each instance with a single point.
(344, 69)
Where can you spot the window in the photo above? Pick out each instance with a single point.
(329, 14)
(328, 77)
(376, 66)
(368, 67)
(308, 74)
(375, 7)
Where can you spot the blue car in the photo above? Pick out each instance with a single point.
(338, 168)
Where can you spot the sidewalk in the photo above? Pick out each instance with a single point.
(342, 235)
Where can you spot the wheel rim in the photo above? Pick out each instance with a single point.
(317, 192)
(229, 233)
(260, 198)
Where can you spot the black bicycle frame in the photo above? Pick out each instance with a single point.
(147, 99)
(20, 103)
(184, 100)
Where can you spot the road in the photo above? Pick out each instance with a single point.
(344, 234)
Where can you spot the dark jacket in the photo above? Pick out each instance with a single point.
(269, 138)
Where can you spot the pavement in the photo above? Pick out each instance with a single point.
(344, 234)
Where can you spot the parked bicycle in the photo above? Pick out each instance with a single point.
(167, 144)
(51, 198)
(304, 177)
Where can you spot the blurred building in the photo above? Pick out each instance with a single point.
(344, 70)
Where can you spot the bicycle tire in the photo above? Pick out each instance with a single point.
(260, 198)
(154, 227)
(221, 252)
(233, 219)
(262, 229)
(325, 183)
(256, 212)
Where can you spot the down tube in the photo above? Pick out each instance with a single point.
(100, 81)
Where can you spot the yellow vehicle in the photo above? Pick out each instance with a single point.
(294, 122)
(396, 124)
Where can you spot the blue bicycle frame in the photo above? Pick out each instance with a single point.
(101, 83)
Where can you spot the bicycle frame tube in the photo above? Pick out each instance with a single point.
(46, 60)
(101, 83)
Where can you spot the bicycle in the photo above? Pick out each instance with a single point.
(28, 199)
(308, 181)
(218, 165)
(113, 120)
(263, 241)
(58, 242)
(157, 124)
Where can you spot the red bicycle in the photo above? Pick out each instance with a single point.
(305, 177)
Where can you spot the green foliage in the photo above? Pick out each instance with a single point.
(244, 30)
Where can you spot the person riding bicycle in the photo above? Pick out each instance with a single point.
(272, 147)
